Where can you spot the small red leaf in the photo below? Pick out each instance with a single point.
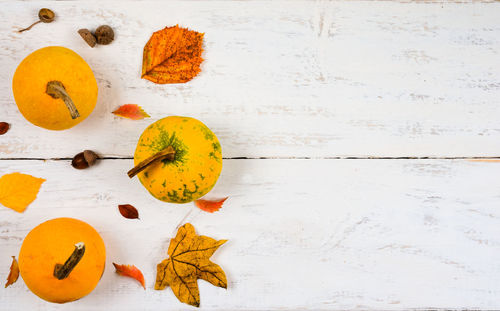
(130, 271)
(209, 206)
(128, 211)
(14, 272)
(131, 111)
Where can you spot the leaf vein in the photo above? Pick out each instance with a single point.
(210, 272)
(183, 282)
(194, 250)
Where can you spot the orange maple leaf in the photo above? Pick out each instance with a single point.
(131, 111)
(130, 271)
(172, 55)
(208, 205)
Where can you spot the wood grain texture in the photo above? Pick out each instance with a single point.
(303, 234)
(315, 79)
(290, 79)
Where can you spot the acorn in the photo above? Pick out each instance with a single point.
(88, 37)
(84, 159)
(104, 34)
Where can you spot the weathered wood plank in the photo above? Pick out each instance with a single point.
(281, 79)
(303, 234)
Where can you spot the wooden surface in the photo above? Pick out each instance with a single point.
(293, 90)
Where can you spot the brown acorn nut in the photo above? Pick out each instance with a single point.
(45, 15)
(84, 159)
(88, 37)
(104, 34)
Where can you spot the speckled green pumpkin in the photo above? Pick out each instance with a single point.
(196, 165)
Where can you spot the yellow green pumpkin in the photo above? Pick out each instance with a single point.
(193, 169)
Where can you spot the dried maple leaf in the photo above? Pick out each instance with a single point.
(131, 111)
(130, 271)
(172, 55)
(128, 211)
(188, 261)
(17, 190)
(209, 205)
(14, 272)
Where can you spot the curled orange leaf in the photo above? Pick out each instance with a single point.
(172, 55)
(209, 205)
(17, 190)
(14, 272)
(131, 111)
(130, 271)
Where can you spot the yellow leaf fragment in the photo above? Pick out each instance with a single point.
(188, 261)
(17, 190)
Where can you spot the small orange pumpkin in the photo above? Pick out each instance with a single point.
(54, 88)
(62, 259)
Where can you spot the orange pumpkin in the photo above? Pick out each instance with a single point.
(54, 88)
(62, 259)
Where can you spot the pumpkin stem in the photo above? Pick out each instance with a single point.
(57, 90)
(62, 271)
(167, 153)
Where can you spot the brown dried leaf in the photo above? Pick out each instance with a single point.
(4, 127)
(14, 272)
(172, 55)
(188, 261)
(128, 211)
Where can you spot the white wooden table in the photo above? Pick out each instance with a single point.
(361, 142)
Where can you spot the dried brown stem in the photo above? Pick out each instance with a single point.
(28, 28)
(167, 153)
(57, 90)
(61, 271)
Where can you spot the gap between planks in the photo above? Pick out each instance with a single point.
(478, 158)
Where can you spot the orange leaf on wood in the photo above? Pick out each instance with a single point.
(14, 272)
(130, 271)
(208, 205)
(131, 111)
(172, 55)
